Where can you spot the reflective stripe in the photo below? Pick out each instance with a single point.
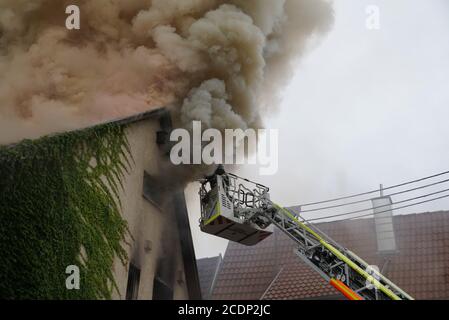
(215, 216)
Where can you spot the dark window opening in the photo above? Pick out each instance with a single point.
(161, 290)
(164, 279)
(152, 190)
(132, 290)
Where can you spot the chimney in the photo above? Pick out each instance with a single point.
(383, 220)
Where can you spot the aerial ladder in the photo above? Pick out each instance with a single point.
(240, 210)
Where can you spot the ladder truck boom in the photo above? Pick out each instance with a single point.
(240, 210)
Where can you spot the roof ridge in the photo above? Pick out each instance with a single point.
(119, 121)
(272, 282)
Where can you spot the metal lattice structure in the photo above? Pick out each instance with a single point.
(241, 210)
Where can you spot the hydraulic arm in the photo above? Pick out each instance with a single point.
(240, 210)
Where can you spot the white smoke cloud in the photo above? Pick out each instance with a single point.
(221, 62)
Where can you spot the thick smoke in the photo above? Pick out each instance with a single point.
(221, 62)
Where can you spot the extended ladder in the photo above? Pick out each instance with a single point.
(340, 267)
(240, 210)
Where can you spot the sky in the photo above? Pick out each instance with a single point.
(365, 107)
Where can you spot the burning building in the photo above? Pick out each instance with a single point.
(94, 199)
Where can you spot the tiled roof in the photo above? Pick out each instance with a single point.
(207, 270)
(271, 270)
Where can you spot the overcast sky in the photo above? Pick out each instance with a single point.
(365, 107)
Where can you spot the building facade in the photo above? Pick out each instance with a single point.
(162, 259)
(158, 245)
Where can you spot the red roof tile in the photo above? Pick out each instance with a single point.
(271, 270)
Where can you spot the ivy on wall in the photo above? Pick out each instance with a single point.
(59, 207)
